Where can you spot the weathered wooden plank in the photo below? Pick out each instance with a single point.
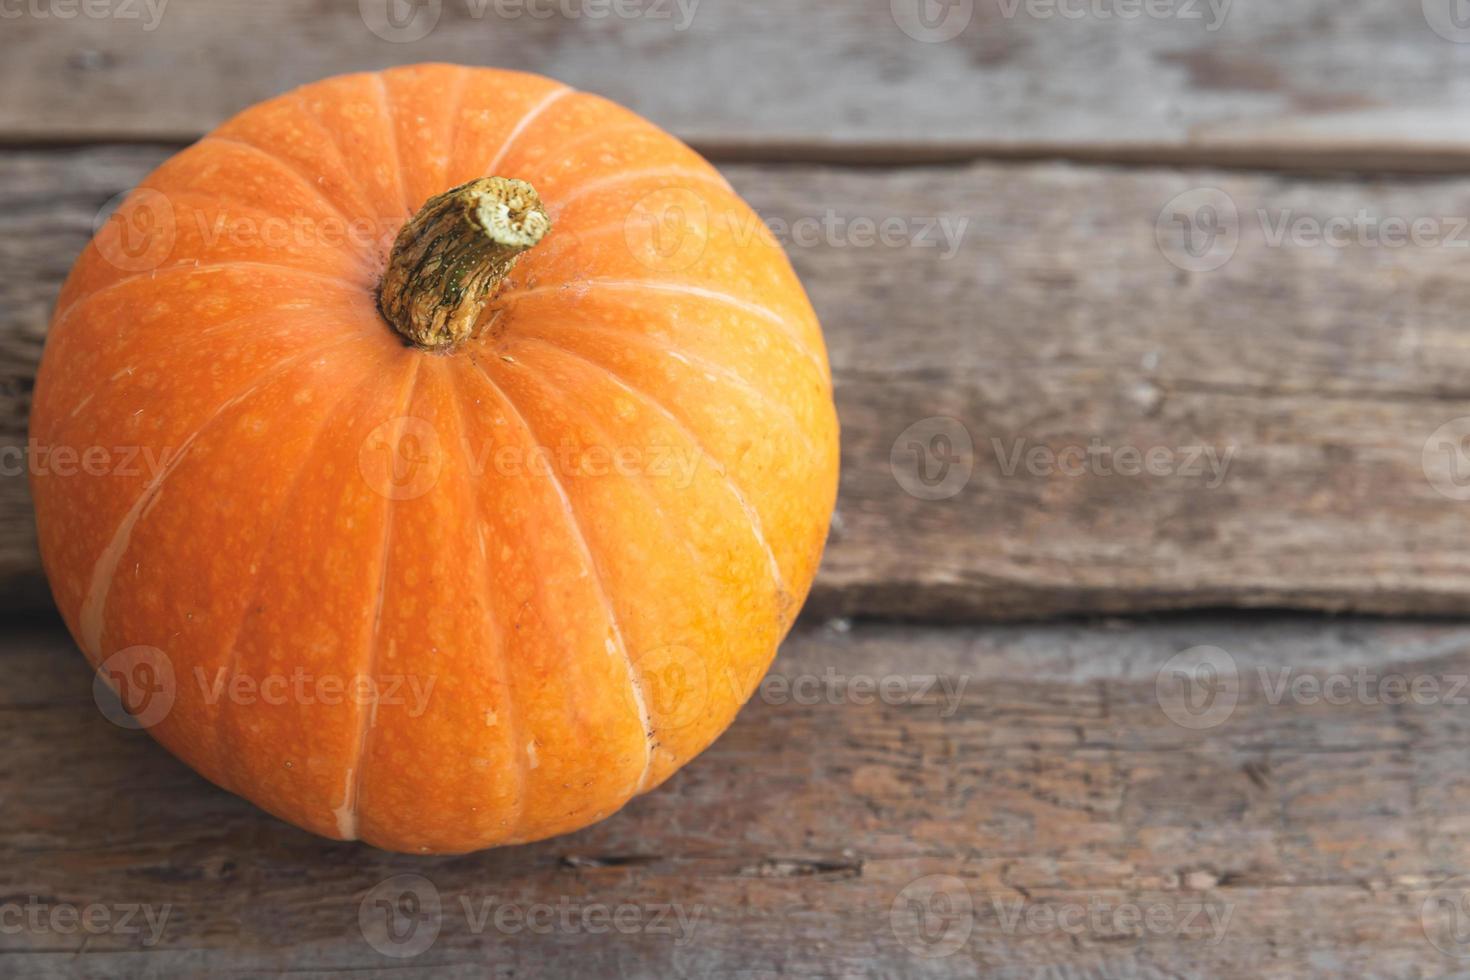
(1313, 83)
(1049, 317)
(1037, 771)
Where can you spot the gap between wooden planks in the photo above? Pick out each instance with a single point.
(1293, 389)
(1315, 829)
(1310, 83)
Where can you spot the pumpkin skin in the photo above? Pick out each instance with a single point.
(297, 501)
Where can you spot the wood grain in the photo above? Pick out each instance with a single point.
(1314, 83)
(1049, 778)
(1315, 374)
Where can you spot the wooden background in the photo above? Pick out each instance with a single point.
(1327, 380)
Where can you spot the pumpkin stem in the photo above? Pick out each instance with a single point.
(451, 259)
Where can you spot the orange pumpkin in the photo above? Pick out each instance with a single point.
(440, 525)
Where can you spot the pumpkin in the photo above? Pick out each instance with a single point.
(454, 451)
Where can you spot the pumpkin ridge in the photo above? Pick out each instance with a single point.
(712, 177)
(532, 114)
(191, 267)
(306, 110)
(390, 126)
(601, 131)
(710, 585)
(347, 822)
(232, 660)
(513, 712)
(687, 289)
(574, 523)
(184, 341)
(752, 516)
(264, 313)
(451, 134)
(735, 379)
(284, 164)
(94, 605)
